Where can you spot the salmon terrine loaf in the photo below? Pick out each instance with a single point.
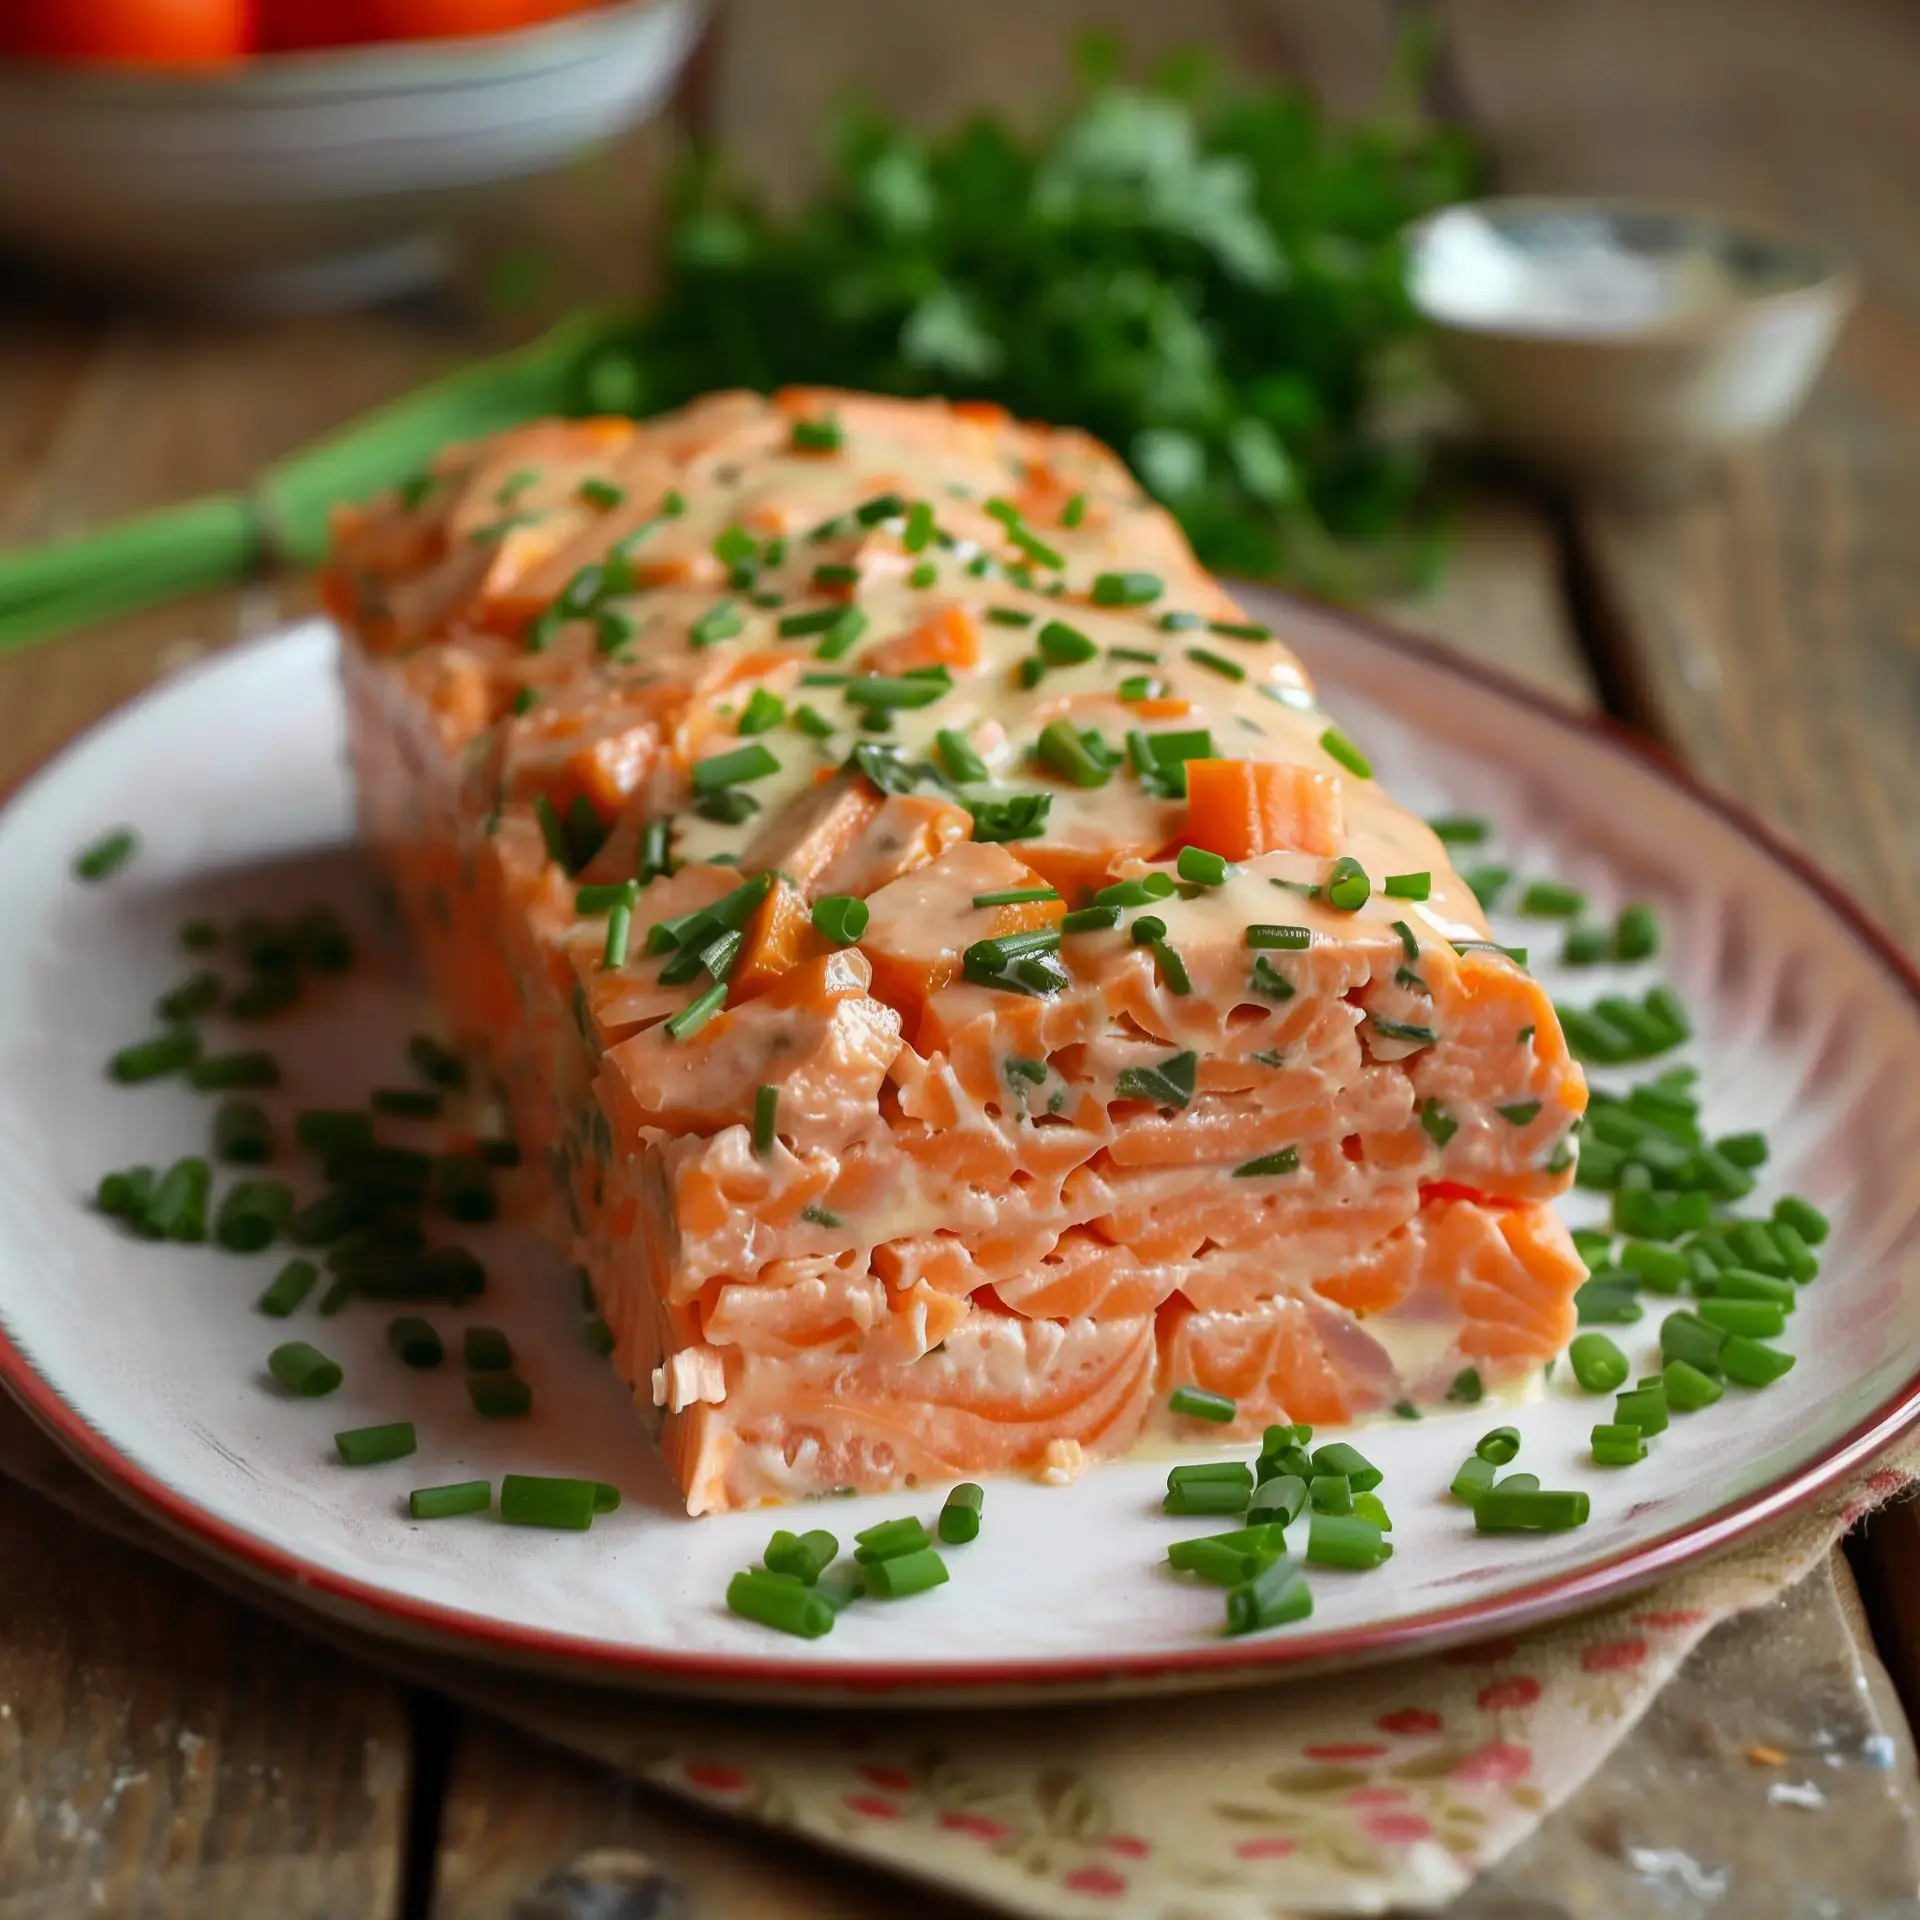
(960, 984)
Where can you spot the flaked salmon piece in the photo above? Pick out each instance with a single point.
(1000, 1395)
(1286, 1359)
(867, 1211)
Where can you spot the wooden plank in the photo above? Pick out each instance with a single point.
(1769, 627)
(166, 1752)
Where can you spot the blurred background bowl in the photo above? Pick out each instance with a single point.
(306, 179)
(1620, 344)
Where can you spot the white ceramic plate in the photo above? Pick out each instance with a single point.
(148, 1361)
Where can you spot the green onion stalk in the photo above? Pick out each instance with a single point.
(224, 538)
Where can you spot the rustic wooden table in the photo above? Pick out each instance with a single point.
(166, 1750)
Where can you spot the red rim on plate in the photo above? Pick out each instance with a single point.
(830, 1682)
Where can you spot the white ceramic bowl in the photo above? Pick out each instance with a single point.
(313, 178)
(1623, 343)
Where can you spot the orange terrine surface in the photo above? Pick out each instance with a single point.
(959, 982)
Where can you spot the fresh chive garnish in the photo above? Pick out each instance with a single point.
(373, 1446)
(1803, 1217)
(499, 1396)
(1467, 1389)
(1063, 751)
(772, 1600)
(1192, 1498)
(1064, 646)
(924, 575)
(1198, 1404)
(1597, 1363)
(1347, 885)
(1617, 1445)
(766, 1116)
(589, 901)
(810, 720)
(1407, 886)
(1170, 1083)
(1459, 829)
(834, 573)
(1137, 656)
(1022, 816)
(1338, 747)
(1487, 883)
(542, 1500)
(1345, 1540)
(1141, 686)
(1636, 934)
(902, 1575)
(734, 768)
(1520, 1114)
(1473, 1480)
(1074, 511)
(1585, 946)
(619, 930)
(1286, 1160)
(815, 436)
(698, 1011)
(1437, 1123)
(1090, 920)
(841, 918)
(1276, 1596)
(459, 1496)
(106, 856)
(1216, 663)
(841, 635)
(414, 1343)
(1010, 616)
(304, 1369)
(762, 712)
(721, 621)
(600, 493)
(1548, 899)
(1530, 1510)
(1240, 629)
(152, 1059)
(242, 1133)
(1015, 896)
(884, 692)
(289, 1287)
(1202, 868)
(959, 1519)
(1280, 939)
(198, 994)
(803, 1556)
(1126, 589)
(1500, 1446)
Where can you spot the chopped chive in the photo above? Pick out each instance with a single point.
(1170, 1083)
(1486, 884)
(906, 1574)
(1190, 1473)
(1347, 884)
(1065, 752)
(1643, 1407)
(763, 710)
(1137, 656)
(1216, 663)
(1180, 621)
(957, 756)
(766, 1114)
(1466, 1390)
(1604, 1303)
(1757, 1319)
(1740, 1283)
(414, 1343)
(1521, 1113)
(178, 1208)
(1126, 589)
(1198, 1404)
(1090, 920)
(613, 953)
(1404, 1030)
(1227, 1559)
(289, 1287)
(1064, 646)
(106, 856)
(1530, 1510)
(1407, 886)
(721, 621)
(841, 918)
(1437, 1123)
(1617, 1445)
(1337, 1457)
(543, 1500)
(1585, 946)
(771, 1600)
(1345, 1540)
(1687, 1388)
(1193, 1498)
(1136, 893)
(1548, 899)
(152, 1059)
(253, 1215)
(1459, 829)
(487, 1350)
(194, 996)
(924, 575)
(1597, 1363)
(1473, 1480)
(1275, 1597)
(845, 629)
(1280, 939)
(1202, 868)
(1636, 934)
(1337, 746)
(1074, 511)
(1286, 1160)
(304, 1369)
(959, 1519)
(888, 1538)
(1752, 1363)
(1803, 1217)
(1683, 1336)
(499, 1396)
(459, 1496)
(373, 1446)
(1500, 1446)
(242, 1133)
(815, 436)
(734, 768)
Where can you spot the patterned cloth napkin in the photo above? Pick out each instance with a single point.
(1387, 1787)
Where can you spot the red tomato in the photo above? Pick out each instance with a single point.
(289, 25)
(143, 33)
